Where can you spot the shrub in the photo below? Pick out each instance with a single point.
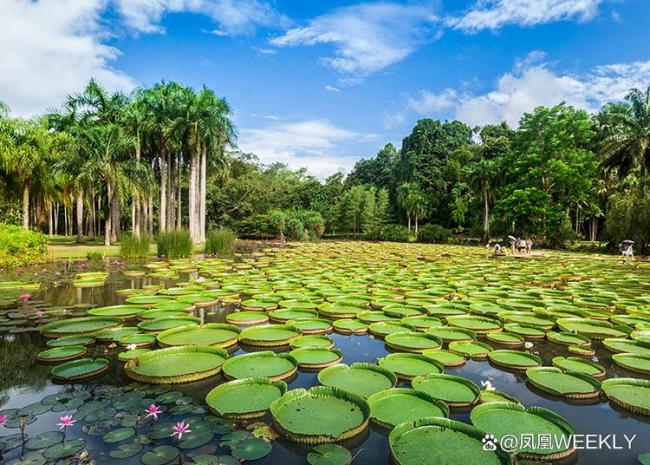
(294, 229)
(394, 233)
(135, 247)
(19, 246)
(220, 242)
(174, 244)
(434, 234)
(95, 255)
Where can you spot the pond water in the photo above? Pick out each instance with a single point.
(23, 381)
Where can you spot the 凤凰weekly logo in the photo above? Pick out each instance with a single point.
(511, 443)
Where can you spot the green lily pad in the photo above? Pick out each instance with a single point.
(410, 341)
(441, 440)
(247, 318)
(245, 398)
(268, 336)
(408, 366)
(341, 415)
(160, 455)
(74, 340)
(44, 440)
(581, 365)
(350, 326)
(506, 339)
(627, 346)
(329, 454)
(633, 362)
(125, 451)
(630, 393)
(570, 384)
(456, 391)
(210, 334)
(78, 326)
(251, 449)
(64, 449)
(78, 370)
(266, 363)
(394, 406)
(450, 334)
(363, 379)
(567, 339)
(471, 349)
(315, 357)
(319, 341)
(514, 359)
(118, 435)
(123, 312)
(446, 357)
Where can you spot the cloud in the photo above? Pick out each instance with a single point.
(493, 14)
(528, 87)
(366, 38)
(51, 48)
(332, 89)
(308, 143)
(234, 17)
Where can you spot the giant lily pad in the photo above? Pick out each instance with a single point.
(363, 379)
(78, 326)
(514, 359)
(74, 340)
(633, 362)
(449, 334)
(446, 357)
(311, 325)
(630, 393)
(569, 384)
(506, 339)
(627, 346)
(477, 324)
(176, 364)
(322, 342)
(61, 354)
(210, 334)
(329, 454)
(157, 325)
(408, 366)
(594, 329)
(270, 364)
(456, 391)
(394, 406)
(316, 357)
(268, 336)
(64, 449)
(321, 414)
(507, 418)
(410, 341)
(245, 398)
(471, 349)
(567, 339)
(124, 312)
(581, 365)
(247, 318)
(441, 440)
(350, 326)
(80, 370)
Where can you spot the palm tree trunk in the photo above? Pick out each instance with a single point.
(408, 216)
(65, 220)
(486, 216)
(202, 192)
(108, 227)
(193, 194)
(56, 218)
(162, 209)
(91, 218)
(150, 213)
(50, 219)
(594, 228)
(80, 215)
(179, 200)
(25, 212)
(135, 212)
(116, 222)
(416, 226)
(170, 192)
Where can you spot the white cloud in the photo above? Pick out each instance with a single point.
(51, 48)
(428, 102)
(366, 37)
(234, 17)
(332, 89)
(528, 87)
(308, 143)
(492, 14)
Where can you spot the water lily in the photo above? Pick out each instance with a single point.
(131, 346)
(65, 421)
(40, 313)
(180, 428)
(24, 297)
(487, 385)
(3, 419)
(153, 411)
(528, 345)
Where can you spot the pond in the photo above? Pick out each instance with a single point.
(548, 300)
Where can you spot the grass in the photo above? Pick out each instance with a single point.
(221, 241)
(174, 244)
(66, 247)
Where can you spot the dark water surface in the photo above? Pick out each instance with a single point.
(23, 381)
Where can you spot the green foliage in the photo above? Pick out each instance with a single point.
(135, 247)
(174, 244)
(20, 247)
(394, 233)
(294, 229)
(434, 234)
(95, 255)
(278, 224)
(221, 241)
(629, 218)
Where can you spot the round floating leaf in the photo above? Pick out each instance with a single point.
(630, 393)
(329, 454)
(456, 391)
(65, 449)
(78, 370)
(315, 357)
(581, 365)
(78, 326)
(446, 357)
(118, 435)
(30, 458)
(61, 354)
(633, 362)
(125, 451)
(160, 455)
(363, 379)
(571, 384)
(195, 439)
(251, 449)
(514, 359)
(323, 342)
(408, 366)
(44, 440)
(266, 363)
(210, 334)
(441, 440)
(398, 405)
(268, 336)
(245, 398)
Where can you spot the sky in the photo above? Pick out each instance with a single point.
(321, 84)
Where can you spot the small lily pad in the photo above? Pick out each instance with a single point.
(160, 455)
(329, 454)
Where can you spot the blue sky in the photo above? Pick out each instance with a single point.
(321, 84)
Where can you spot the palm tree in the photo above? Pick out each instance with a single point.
(626, 133)
(402, 199)
(417, 205)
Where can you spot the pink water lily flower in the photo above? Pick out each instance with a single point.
(40, 313)
(24, 297)
(3, 419)
(65, 421)
(180, 428)
(153, 411)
